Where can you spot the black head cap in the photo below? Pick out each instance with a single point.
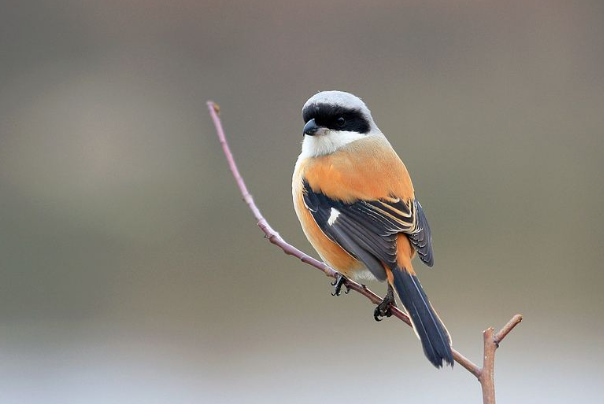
(337, 110)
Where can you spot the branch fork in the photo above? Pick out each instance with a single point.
(484, 375)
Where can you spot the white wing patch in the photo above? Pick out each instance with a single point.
(333, 216)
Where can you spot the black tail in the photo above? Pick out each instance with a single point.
(431, 331)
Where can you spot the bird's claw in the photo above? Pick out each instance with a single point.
(338, 283)
(384, 309)
(381, 311)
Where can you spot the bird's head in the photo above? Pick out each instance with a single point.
(333, 119)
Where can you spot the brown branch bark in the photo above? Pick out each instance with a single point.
(485, 375)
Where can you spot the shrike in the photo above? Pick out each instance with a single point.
(356, 204)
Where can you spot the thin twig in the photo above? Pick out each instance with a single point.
(507, 328)
(491, 341)
(466, 363)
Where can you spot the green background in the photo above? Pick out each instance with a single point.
(131, 271)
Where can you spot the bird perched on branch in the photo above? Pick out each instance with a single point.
(356, 203)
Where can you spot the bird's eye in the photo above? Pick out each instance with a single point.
(341, 121)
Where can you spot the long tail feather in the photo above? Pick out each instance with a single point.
(429, 328)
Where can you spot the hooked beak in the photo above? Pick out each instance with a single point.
(311, 128)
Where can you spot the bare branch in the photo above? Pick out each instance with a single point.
(507, 328)
(491, 341)
(487, 373)
(466, 363)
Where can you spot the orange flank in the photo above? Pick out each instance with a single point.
(404, 253)
(329, 251)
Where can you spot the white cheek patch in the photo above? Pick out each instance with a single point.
(327, 143)
(333, 216)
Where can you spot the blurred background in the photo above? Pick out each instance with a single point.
(132, 272)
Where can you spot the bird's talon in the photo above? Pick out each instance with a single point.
(381, 311)
(338, 283)
(384, 309)
(377, 314)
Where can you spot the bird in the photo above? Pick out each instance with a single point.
(357, 207)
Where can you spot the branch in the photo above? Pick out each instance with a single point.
(491, 341)
(486, 376)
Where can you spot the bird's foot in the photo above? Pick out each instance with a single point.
(384, 309)
(338, 283)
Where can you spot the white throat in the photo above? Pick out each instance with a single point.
(327, 143)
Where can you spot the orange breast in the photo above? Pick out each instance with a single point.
(367, 169)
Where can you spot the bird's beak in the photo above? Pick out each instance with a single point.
(311, 128)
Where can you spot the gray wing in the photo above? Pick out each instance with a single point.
(367, 230)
